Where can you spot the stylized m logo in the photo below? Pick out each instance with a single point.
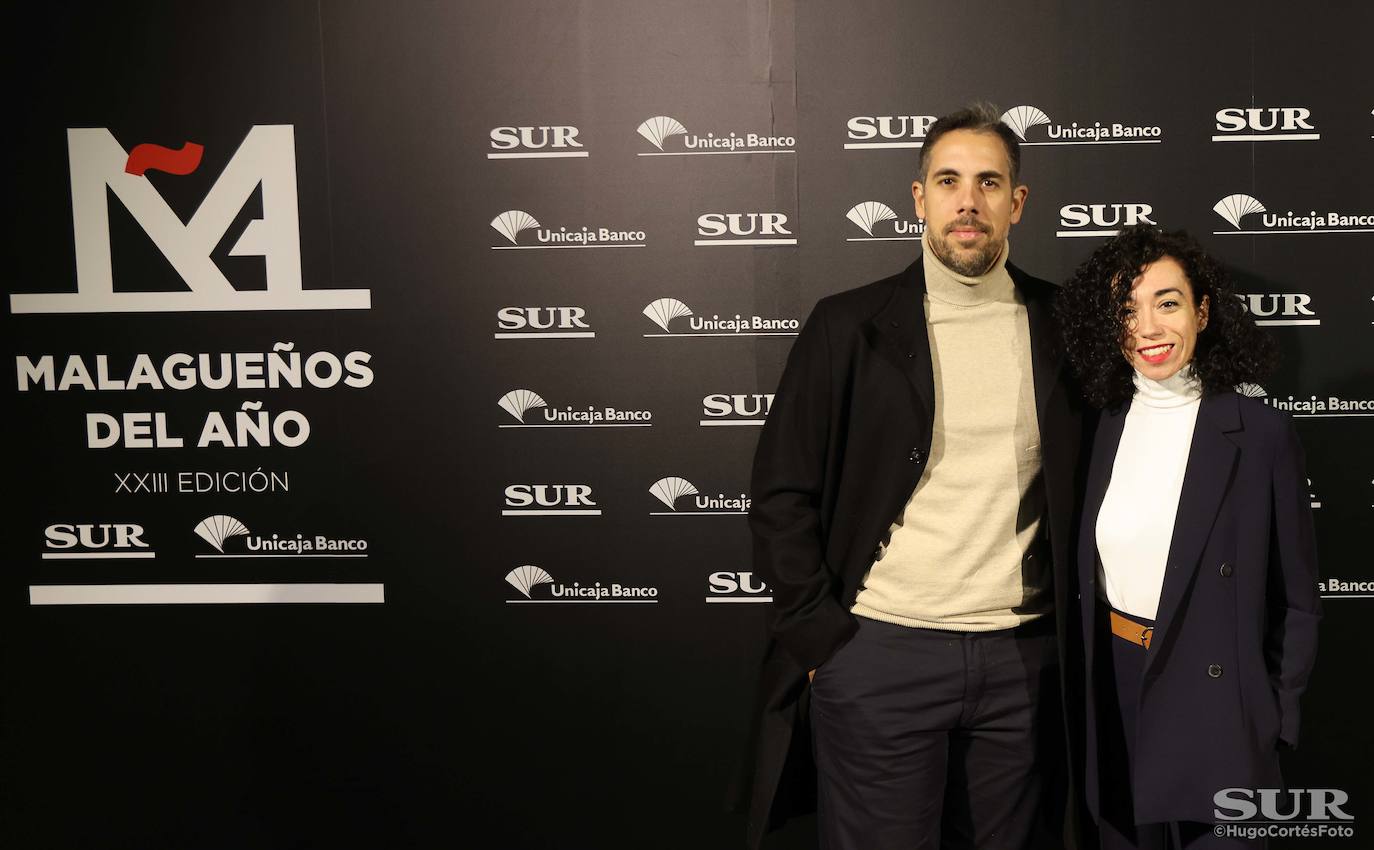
(267, 157)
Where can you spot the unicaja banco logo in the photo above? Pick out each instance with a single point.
(521, 403)
(669, 490)
(660, 130)
(1234, 208)
(535, 584)
(872, 216)
(1024, 119)
(216, 529)
(512, 223)
(672, 489)
(526, 578)
(664, 310)
(1313, 407)
(220, 529)
(265, 160)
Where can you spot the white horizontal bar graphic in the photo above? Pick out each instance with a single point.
(1087, 232)
(585, 425)
(698, 513)
(281, 555)
(882, 239)
(1099, 142)
(536, 155)
(717, 153)
(1293, 137)
(581, 601)
(860, 146)
(1275, 323)
(739, 599)
(725, 333)
(1289, 232)
(540, 335)
(190, 302)
(203, 594)
(701, 242)
(94, 556)
(542, 247)
(710, 422)
(1329, 415)
(1348, 595)
(553, 512)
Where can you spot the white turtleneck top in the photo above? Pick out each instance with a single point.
(1136, 523)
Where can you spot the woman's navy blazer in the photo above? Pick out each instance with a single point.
(1236, 631)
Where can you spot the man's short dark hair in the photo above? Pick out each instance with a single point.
(980, 117)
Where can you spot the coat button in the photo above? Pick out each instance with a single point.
(1214, 671)
(1226, 570)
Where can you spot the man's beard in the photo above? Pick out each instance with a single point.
(975, 264)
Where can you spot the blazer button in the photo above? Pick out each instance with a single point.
(1214, 671)
(1226, 571)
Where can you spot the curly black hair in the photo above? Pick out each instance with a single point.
(1091, 308)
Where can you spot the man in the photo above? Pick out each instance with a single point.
(914, 497)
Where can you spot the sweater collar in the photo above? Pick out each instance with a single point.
(948, 286)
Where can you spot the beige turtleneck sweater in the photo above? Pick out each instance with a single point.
(961, 556)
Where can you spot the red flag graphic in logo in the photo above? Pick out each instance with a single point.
(149, 157)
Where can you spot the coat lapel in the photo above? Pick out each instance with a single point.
(1211, 462)
(1105, 442)
(1047, 361)
(898, 333)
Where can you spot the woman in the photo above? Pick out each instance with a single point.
(1197, 566)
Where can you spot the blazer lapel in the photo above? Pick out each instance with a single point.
(1105, 442)
(1211, 461)
(899, 334)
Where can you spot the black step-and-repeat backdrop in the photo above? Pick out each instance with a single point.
(386, 376)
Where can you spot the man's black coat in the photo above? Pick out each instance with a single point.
(1235, 636)
(846, 441)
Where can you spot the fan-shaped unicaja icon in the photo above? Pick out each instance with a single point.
(869, 213)
(219, 528)
(525, 578)
(511, 222)
(1252, 390)
(664, 310)
(516, 402)
(667, 490)
(1235, 207)
(1022, 118)
(660, 127)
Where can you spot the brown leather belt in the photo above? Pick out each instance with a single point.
(1128, 629)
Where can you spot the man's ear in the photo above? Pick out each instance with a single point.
(918, 195)
(1018, 202)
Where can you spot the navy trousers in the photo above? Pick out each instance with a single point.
(929, 739)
